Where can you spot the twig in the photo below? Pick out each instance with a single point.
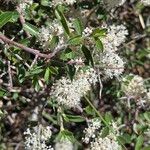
(21, 59)
(34, 61)
(31, 50)
(100, 84)
(142, 21)
(136, 38)
(90, 14)
(18, 146)
(10, 76)
(22, 20)
(4, 73)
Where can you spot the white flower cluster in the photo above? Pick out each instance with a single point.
(133, 87)
(107, 143)
(94, 133)
(46, 33)
(145, 2)
(113, 65)
(115, 36)
(38, 138)
(59, 2)
(90, 132)
(112, 4)
(64, 145)
(23, 4)
(69, 93)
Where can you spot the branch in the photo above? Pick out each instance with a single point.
(31, 50)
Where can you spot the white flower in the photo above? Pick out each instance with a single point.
(112, 64)
(69, 93)
(145, 2)
(64, 145)
(45, 34)
(115, 36)
(66, 93)
(106, 143)
(69, 2)
(89, 132)
(133, 87)
(87, 32)
(38, 138)
(23, 4)
(56, 28)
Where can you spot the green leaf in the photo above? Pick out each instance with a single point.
(35, 71)
(21, 72)
(108, 117)
(5, 17)
(2, 92)
(53, 70)
(33, 30)
(78, 26)
(53, 42)
(47, 74)
(68, 54)
(77, 40)
(45, 2)
(105, 132)
(36, 85)
(65, 134)
(14, 17)
(50, 117)
(71, 70)
(89, 110)
(60, 16)
(147, 116)
(125, 139)
(99, 32)
(146, 148)
(87, 55)
(72, 118)
(139, 142)
(99, 44)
